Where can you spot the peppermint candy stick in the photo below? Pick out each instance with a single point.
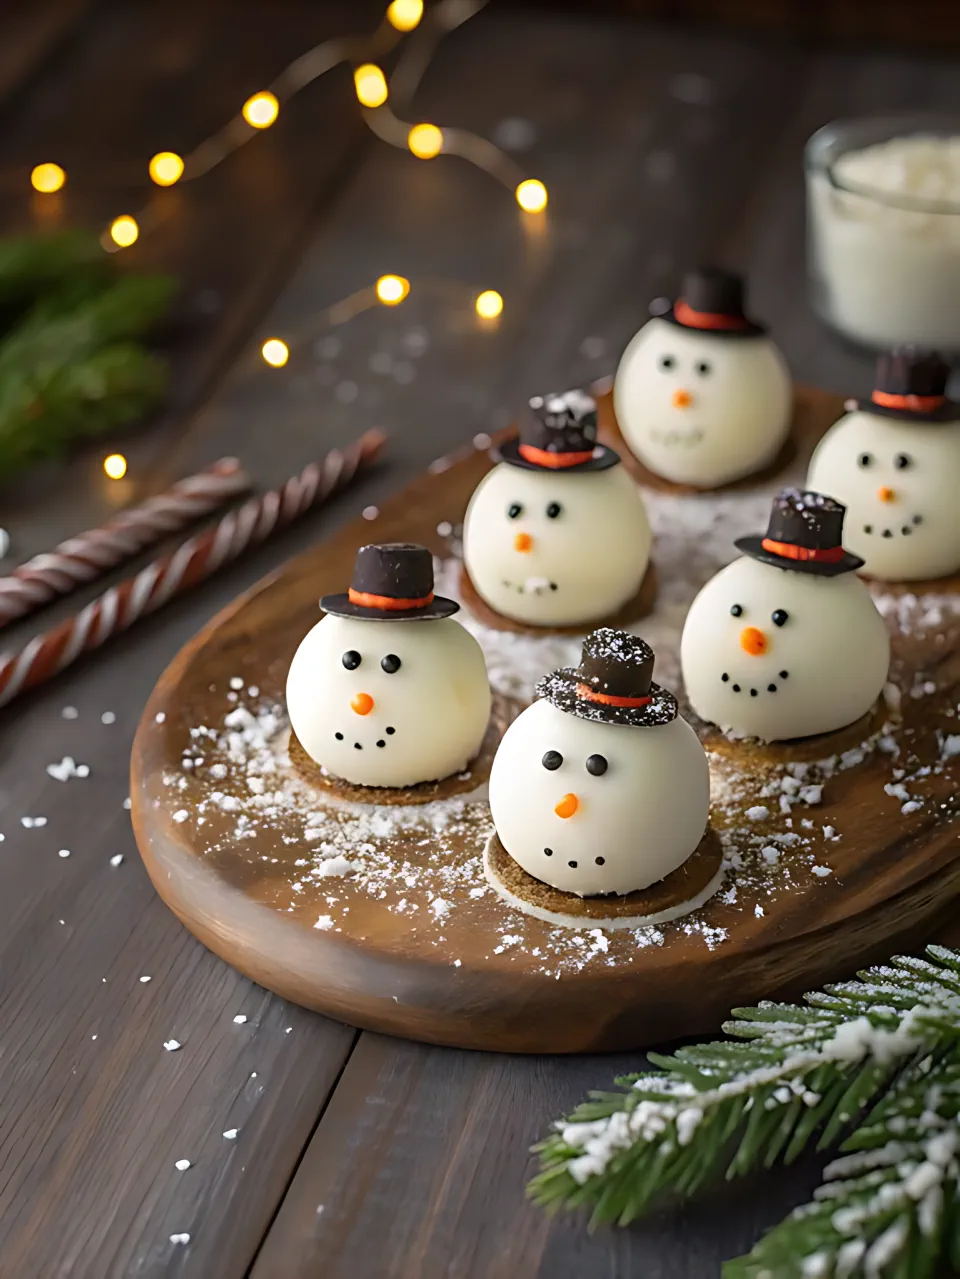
(120, 606)
(89, 555)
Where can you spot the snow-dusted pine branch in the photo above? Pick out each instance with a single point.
(792, 1074)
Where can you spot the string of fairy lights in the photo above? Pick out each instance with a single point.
(423, 139)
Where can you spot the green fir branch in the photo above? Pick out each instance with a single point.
(71, 363)
(790, 1075)
(889, 1205)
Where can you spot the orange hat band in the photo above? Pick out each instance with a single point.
(826, 555)
(607, 699)
(556, 461)
(685, 314)
(916, 403)
(387, 602)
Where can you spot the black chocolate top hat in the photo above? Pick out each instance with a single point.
(559, 433)
(613, 683)
(911, 385)
(711, 302)
(392, 582)
(804, 534)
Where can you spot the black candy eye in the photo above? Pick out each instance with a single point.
(902, 461)
(666, 361)
(351, 659)
(865, 459)
(736, 610)
(703, 367)
(779, 617)
(552, 760)
(390, 663)
(553, 510)
(514, 510)
(596, 765)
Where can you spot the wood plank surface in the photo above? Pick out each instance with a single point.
(420, 1159)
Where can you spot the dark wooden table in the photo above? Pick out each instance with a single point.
(355, 1155)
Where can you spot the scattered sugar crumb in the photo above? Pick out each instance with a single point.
(182, 1165)
(911, 806)
(160, 717)
(108, 717)
(231, 1134)
(145, 978)
(183, 1237)
(236, 683)
(822, 871)
(172, 1045)
(181, 815)
(240, 1019)
(116, 859)
(126, 804)
(69, 712)
(757, 813)
(64, 852)
(324, 922)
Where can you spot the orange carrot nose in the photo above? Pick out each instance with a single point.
(885, 494)
(523, 542)
(567, 806)
(753, 641)
(682, 399)
(362, 703)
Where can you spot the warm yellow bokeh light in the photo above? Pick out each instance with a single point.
(532, 196)
(392, 289)
(261, 110)
(489, 304)
(425, 141)
(370, 85)
(166, 167)
(115, 466)
(405, 14)
(47, 178)
(124, 231)
(276, 352)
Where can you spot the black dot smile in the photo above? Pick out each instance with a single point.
(522, 588)
(754, 692)
(905, 530)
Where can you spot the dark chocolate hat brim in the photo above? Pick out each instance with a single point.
(603, 458)
(948, 411)
(342, 606)
(560, 690)
(749, 328)
(753, 546)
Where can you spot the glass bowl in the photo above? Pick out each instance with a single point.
(884, 263)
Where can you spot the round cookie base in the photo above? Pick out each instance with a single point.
(753, 755)
(475, 775)
(637, 607)
(682, 891)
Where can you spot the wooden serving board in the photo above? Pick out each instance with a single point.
(386, 921)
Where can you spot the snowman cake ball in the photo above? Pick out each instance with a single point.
(702, 394)
(786, 642)
(894, 461)
(600, 787)
(387, 689)
(556, 534)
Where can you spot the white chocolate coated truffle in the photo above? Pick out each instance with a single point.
(414, 718)
(701, 409)
(900, 483)
(554, 548)
(776, 654)
(633, 825)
